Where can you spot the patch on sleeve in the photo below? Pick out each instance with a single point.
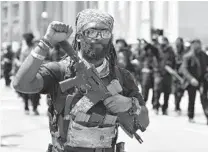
(66, 65)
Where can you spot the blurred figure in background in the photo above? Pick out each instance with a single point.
(149, 65)
(57, 53)
(120, 43)
(124, 55)
(178, 87)
(7, 61)
(124, 59)
(187, 46)
(206, 50)
(163, 80)
(195, 69)
(27, 46)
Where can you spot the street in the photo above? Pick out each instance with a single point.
(172, 133)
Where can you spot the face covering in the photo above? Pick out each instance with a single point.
(94, 51)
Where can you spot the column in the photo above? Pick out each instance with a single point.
(173, 21)
(34, 19)
(117, 30)
(69, 12)
(27, 16)
(134, 21)
(111, 9)
(58, 9)
(10, 21)
(22, 17)
(50, 9)
(123, 9)
(69, 15)
(145, 21)
(80, 5)
(158, 14)
(94, 4)
(101, 5)
(166, 17)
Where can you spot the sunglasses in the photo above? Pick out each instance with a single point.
(93, 33)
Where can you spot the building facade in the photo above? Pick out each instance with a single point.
(133, 19)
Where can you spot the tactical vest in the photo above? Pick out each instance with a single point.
(65, 130)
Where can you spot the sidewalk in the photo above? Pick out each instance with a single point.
(20, 132)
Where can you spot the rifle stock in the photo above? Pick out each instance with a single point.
(172, 72)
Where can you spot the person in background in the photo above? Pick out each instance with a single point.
(120, 43)
(7, 62)
(57, 53)
(195, 68)
(27, 46)
(149, 61)
(178, 86)
(163, 80)
(124, 60)
(124, 55)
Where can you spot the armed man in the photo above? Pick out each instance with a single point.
(90, 95)
(195, 68)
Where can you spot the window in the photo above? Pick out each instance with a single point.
(94, 4)
(15, 10)
(5, 32)
(15, 31)
(44, 5)
(4, 3)
(4, 13)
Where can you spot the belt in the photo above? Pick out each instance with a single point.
(90, 137)
(52, 148)
(79, 149)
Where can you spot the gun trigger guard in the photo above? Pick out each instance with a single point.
(83, 89)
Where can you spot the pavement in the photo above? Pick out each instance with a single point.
(172, 133)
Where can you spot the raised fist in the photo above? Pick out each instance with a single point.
(57, 32)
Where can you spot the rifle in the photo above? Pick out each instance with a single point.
(88, 80)
(172, 72)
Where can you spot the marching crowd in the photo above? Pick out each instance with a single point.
(167, 69)
(158, 65)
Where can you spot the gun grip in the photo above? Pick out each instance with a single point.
(114, 87)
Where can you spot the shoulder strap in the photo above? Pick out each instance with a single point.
(118, 75)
